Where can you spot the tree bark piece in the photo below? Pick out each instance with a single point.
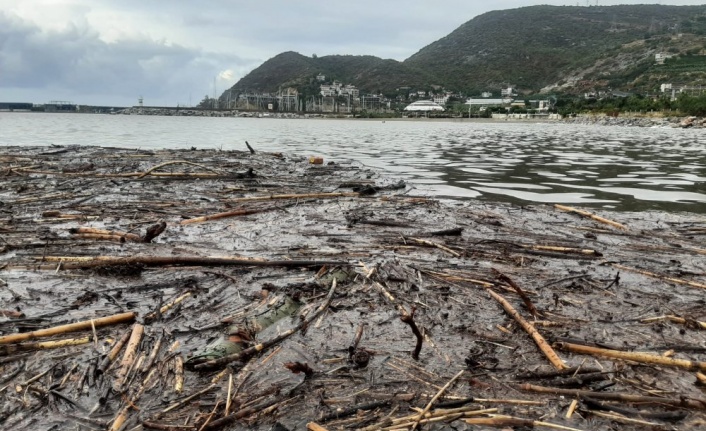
(531, 330)
(72, 327)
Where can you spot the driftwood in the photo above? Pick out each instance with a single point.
(234, 213)
(660, 277)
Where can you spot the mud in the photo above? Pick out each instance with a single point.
(420, 259)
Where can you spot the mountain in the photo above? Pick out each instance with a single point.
(550, 48)
(291, 69)
(541, 46)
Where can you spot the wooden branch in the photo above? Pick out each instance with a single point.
(99, 261)
(694, 324)
(658, 276)
(644, 358)
(509, 421)
(531, 330)
(117, 347)
(297, 196)
(6, 350)
(437, 245)
(408, 318)
(528, 303)
(72, 327)
(175, 162)
(591, 216)
(95, 233)
(234, 213)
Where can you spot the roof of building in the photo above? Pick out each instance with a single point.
(486, 102)
(424, 105)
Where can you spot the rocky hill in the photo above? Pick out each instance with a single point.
(555, 48)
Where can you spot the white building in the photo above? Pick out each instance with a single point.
(508, 92)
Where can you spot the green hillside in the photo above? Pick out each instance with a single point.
(535, 47)
(561, 49)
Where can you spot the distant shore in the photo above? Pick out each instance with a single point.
(624, 120)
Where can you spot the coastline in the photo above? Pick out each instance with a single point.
(280, 219)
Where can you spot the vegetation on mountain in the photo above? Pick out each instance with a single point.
(557, 49)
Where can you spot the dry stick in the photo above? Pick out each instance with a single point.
(192, 261)
(312, 426)
(442, 416)
(233, 213)
(408, 318)
(252, 151)
(660, 277)
(586, 251)
(675, 319)
(532, 331)
(434, 244)
(644, 358)
(436, 397)
(505, 421)
(624, 419)
(174, 162)
(250, 351)
(178, 374)
(297, 196)
(88, 231)
(153, 354)
(504, 278)
(692, 403)
(72, 327)
(120, 419)
(15, 348)
(129, 356)
(187, 399)
(166, 307)
(591, 216)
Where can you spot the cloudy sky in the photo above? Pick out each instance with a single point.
(109, 52)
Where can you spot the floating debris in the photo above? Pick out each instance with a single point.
(207, 290)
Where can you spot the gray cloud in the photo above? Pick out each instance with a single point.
(75, 60)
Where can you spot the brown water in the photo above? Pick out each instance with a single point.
(620, 168)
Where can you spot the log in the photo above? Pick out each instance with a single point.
(660, 277)
(233, 213)
(72, 327)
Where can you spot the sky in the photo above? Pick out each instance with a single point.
(175, 52)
